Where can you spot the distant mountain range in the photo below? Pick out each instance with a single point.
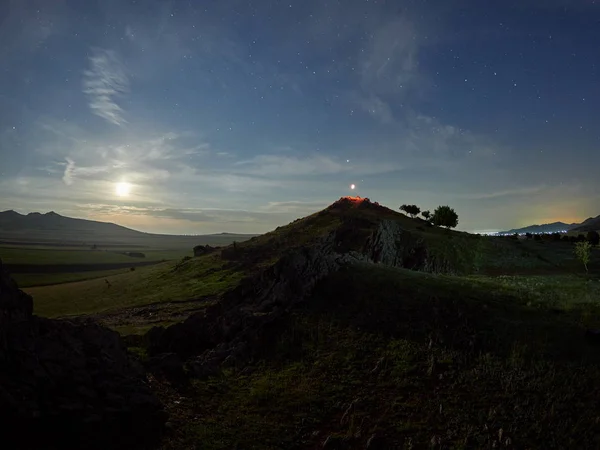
(54, 228)
(13, 221)
(593, 223)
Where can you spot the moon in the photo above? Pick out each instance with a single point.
(122, 189)
(352, 186)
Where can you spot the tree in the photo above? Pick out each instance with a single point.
(412, 210)
(593, 237)
(445, 216)
(426, 214)
(582, 251)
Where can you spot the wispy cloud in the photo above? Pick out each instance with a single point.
(517, 192)
(68, 174)
(278, 166)
(268, 165)
(389, 64)
(375, 107)
(104, 82)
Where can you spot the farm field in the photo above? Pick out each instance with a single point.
(36, 259)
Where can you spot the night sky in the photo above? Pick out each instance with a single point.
(239, 116)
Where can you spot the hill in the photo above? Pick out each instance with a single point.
(358, 327)
(52, 228)
(555, 227)
(591, 224)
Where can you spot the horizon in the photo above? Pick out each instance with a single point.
(484, 232)
(176, 118)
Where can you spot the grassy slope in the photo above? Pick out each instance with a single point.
(165, 282)
(419, 357)
(56, 256)
(28, 280)
(213, 275)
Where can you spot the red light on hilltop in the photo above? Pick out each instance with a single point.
(356, 199)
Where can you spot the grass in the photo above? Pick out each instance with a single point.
(490, 354)
(25, 280)
(57, 256)
(165, 282)
(411, 359)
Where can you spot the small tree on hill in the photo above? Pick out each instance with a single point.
(412, 210)
(426, 214)
(582, 251)
(445, 216)
(593, 237)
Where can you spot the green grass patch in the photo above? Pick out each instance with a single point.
(166, 282)
(54, 256)
(409, 359)
(47, 279)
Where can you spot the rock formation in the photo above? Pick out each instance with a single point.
(232, 330)
(67, 384)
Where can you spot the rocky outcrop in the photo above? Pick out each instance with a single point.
(229, 330)
(232, 330)
(67, 384)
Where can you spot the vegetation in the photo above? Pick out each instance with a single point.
(193, 280)
(583, 251)
(395, 357)
(426, 214)
(26, 280)
(343, 369)
(445, 216)
(593, 237)
(411, 210)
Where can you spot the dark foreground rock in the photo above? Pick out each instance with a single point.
(67, 384)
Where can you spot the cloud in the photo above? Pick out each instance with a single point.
(199, 215)
(68, 174)
(104, 82)
(375, 106)
(517, 192)
(278, 166)
(389, 64)
(296, 206)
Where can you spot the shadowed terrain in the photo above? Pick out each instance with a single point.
(358, 327)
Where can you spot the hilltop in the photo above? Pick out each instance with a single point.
(359, 327)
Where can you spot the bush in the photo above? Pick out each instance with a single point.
(445, 216)
(412, 210)
(582, 251)
(593, 237)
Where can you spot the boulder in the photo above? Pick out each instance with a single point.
(69, 384)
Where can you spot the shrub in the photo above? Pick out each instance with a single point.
(582, 251)
(593, 237)
(426, 214)
(412, 210)
(445, 216)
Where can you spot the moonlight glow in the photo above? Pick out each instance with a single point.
(352, 186)
(122, 189)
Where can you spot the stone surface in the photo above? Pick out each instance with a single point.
(67, 384)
